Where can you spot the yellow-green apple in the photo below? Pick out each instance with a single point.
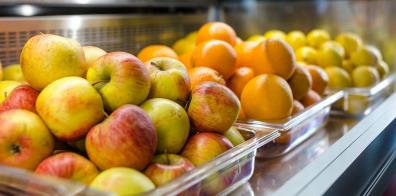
(120, 78)
(13, 72)
(171, 122)
(234, 136)
(46, 58)
(70, 107)
(166, 167)
(122, 181)
(92, 53)
(6, 87)
(213, 107)
(127, 138)
(24, 139)
(22, 97)
(205, 146)
(68, 165)
(217, 182)
(169, 79)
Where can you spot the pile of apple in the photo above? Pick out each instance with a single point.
(109, 120)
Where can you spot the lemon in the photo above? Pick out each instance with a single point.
(317, 37)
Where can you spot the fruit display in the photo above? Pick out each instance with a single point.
(129, 124)
(116, 122)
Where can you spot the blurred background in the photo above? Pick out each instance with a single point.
(129, 25)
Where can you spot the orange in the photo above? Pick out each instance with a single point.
(244, 51)
(267, 97)
(273, 56)
(320, 80)
(297, 107)
(216, 30)
(241, 114)
(215, 54)
(300, 82)
(186, 60)
(311, 98)
(204, 74)
(239, 41)
(240, 78)
(153, 51)
(285, 137)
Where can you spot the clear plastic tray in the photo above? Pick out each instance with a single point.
(358, 102)
(295, 129)
(219, 176)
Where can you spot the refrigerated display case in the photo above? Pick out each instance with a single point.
(333, 151)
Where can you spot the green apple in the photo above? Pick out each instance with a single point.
(24, 139)
(6, 87)
(234, 136)
(46, 58)
(169, 79)
(171, 122)
(13, 72)
(120, 78)
(122, 181)
(70, 107)
(92, 53)
(68, 165)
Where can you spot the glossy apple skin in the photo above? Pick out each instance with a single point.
(24, 139)
(205, 146)
(120, 78)
(6, 86)
(166, 167)
(171, 122)
(169, 79)
(68, 165)
(122, 181)
(213, 108)
(92, 53)
(22, 97)
(234, 136)
(46, 58)
(127, 138)
(70, 107)
(13, 72)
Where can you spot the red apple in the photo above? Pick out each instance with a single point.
(203, 147)
(127, 138)
(213, 107)
(68, 165)
(120, 78)
(166, 167)
(22, 97)
(24, 139)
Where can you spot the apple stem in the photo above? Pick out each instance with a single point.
(167, 157)
(5, 94)
(105, 114)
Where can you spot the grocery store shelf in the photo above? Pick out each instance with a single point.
(348, 156)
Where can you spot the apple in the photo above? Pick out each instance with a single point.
(68, 165)
(22, 97)
(24, 139)
(46, 58)
(171, 122)
(120, 78)
(166, 167)
(127, 138)
(13, 72)
(6, 86)
(213, 107)
(122, 181)
(234, 136)
(217, 182)
(92, 53)
(70, 107)
(205, 146)
(169, 79)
